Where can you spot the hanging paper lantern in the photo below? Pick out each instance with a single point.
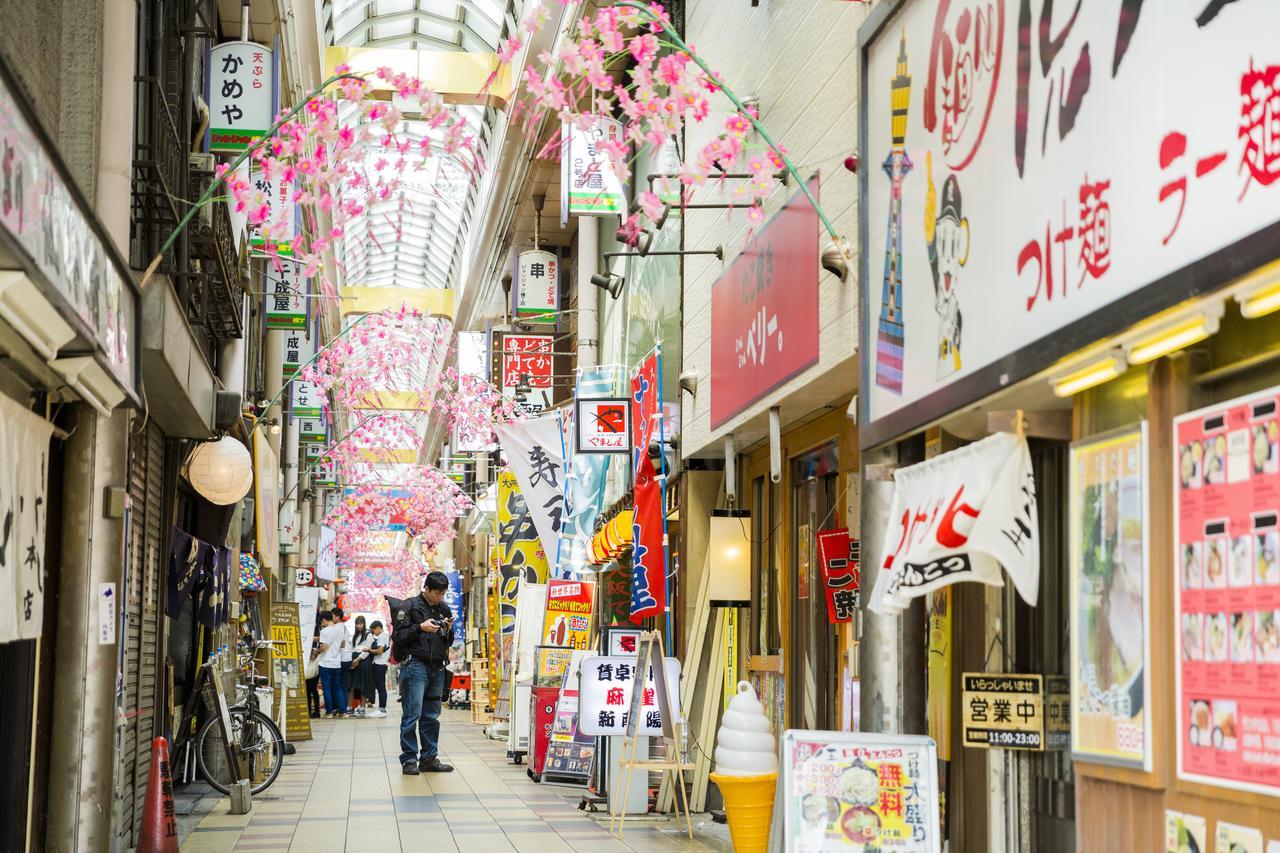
(220, 471)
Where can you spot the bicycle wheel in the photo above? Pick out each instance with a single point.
(261, 750)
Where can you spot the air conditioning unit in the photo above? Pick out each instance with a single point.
(226, 409)
(205, 163)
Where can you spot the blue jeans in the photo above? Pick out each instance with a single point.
(335, 695)
(422, 691)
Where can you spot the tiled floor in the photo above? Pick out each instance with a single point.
(343, 791)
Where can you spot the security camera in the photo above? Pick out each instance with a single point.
(835, 259)
(689, 382)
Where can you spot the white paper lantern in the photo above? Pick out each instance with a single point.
(729, 550)
(221, 471)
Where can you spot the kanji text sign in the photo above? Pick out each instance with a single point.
(1004, 711)
(605, 698)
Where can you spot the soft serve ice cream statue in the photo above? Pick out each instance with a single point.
(746, 770)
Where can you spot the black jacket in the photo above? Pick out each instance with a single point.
(408, 638)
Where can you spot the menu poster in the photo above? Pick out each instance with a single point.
(1229, 838)
(1110, 645)
(1184, 833)
(1227, 546)
(855, 791)
(570, 752)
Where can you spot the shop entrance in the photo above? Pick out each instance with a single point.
(813, 680)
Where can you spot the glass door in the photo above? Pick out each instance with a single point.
(813, 675)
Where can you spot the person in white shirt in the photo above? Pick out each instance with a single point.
(340, 619)
(333, 636)
(380, 656)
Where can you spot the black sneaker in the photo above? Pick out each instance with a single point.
(434, 765)
(409, 769)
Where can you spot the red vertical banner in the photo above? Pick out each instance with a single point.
(644, 409)
(841, 573)
(648, 571)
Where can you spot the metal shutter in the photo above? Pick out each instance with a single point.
(143, 599)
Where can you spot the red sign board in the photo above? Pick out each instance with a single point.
(764, 311)
(841, 572)
(526, 355)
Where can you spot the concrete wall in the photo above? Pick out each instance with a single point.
(800, 58)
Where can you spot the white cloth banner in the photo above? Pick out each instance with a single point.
(308, 598)
(24, 471)
(960, 517)
(533, 448)
(326, 555)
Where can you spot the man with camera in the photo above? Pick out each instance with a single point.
(420, 642)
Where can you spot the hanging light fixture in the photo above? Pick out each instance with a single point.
(220, 471)
(729, 550)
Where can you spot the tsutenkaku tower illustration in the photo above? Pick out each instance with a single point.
(891, 333)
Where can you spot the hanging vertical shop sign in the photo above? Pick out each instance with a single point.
(960, 517)
(524, 359)
(266, 503)
(287, 666)
(325, 473)
(589, 186)
(537, 290)
(24, 447)
(286, 295)
(646, 408)
(241, 95)
(761, 336)
(521, 555)
(858, 791)
(533, 448)
(648, 571)
(327, 555)
(305, 400)
(1109, 609)
(1227, 599)
(299, 349)
(1008, 227)
(841, 573)
(273, 236)
(603, 425)
(568, 617)
(312, 429)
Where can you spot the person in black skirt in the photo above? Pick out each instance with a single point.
(361, 668)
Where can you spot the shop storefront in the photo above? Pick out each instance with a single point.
(1120, 342)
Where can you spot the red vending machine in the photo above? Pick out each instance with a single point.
(551, 662)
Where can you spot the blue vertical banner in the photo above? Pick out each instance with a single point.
(453, 598)
(584, 482)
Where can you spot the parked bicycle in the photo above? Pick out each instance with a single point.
(256, 741)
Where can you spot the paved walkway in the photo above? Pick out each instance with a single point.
(343, 791)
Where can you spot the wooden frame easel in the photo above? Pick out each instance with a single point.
(649, 654)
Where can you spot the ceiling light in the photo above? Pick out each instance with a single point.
(1174, 336)
(1259, 292)
(1094, 373)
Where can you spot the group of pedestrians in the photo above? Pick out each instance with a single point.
(350, 669)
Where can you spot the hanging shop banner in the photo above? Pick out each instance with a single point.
(584, 480)
(960, 517)
(534, 449)
(537, 290)
(308, 600)
(1004, 711)
(841, 573)
(849, 791)
(299, 349)
(646, 408)
(312, 451)
(266, 504)
(325, 473)
(568, 619)
(761, 337)
(521, 555)
(1227, 541)
(305, 400)
(287, 666)
(1007, 212)
(286, 296)
(605, 695)
(526, 358)
(327, 555)
(241, 95)
(571, 751)
(648, 554)
(617, 597)
(24, 447)
(453, 598)
(589, 186)
(280, 218)
(1110, 643)
(312, 429)
(603, 425)
(938, 676)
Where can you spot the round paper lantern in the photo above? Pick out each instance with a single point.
(221, 471)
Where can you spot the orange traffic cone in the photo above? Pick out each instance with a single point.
(159, 824)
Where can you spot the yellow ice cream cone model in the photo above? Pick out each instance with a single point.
(746, 770)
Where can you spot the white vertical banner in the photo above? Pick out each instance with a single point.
(24, 463)
(326, 556)
(308, 598)
(533, 447)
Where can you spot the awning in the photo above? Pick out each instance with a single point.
(960, 517)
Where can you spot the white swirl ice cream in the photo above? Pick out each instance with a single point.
(744, 744)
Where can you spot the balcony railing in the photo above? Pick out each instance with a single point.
(213, 290)
(159, 172)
